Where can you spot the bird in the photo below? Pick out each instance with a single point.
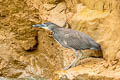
(71, 39)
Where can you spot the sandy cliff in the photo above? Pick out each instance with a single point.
(27, 51)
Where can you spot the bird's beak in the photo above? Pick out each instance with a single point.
(41, 26)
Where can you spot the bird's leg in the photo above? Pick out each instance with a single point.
(79, 58)
(74, 61)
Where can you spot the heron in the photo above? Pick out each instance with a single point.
(72, 39)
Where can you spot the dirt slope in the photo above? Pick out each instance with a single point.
(27, 51)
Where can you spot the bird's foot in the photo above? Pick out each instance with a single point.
(66, 68)
(74, 63)
(71, 65)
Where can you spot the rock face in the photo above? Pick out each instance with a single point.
(27, 51)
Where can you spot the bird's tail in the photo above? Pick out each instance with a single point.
(100, 52)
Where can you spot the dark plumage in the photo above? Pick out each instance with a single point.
(69, 38)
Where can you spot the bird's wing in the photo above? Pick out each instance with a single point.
(77, 40)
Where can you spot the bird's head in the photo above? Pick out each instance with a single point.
(48, 26)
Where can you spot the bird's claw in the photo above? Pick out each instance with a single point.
(66, 68)
(72, 65)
